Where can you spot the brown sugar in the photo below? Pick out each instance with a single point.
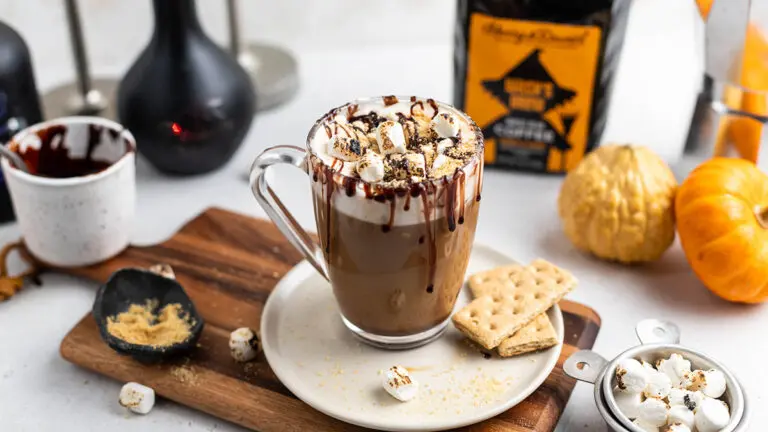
(141, 325)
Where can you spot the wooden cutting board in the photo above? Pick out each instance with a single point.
(228, 264)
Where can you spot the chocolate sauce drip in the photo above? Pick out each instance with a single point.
(462, 182)
(433, 104)
(479, 182)
(328, 130)
(431, 241)
(48, 161)
(407, 205)
(351, 110)
(390, 100)
(371, 120)
(368, 191)
(350, 185)
(392, 208)
(329, 188)
(413, 105)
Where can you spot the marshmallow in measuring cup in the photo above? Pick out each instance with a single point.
(675, 367)
(390, 137)
(710, 382)
(653, 411)
(445, 125)
(711, 415)
(681, 414)
(628, 403)
(137, 398)
(399, 383)
(631, 376)
(658, 385)
(677, 427)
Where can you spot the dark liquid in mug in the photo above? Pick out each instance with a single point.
(48, 161)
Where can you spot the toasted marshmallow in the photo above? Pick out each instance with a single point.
(631, 376)
(628, 403)
(163, 270)
(390, 137)
(137, 398)
(675, 367)
(658, 384)
(345, 148)
(681, 414)
(676, 427)
(653, 411)
(444, 145)
(711, 416)
(445, 125)
(417, 165)
(439, 161)
(677, 396)
(714, 383)
(370, 167)
(645, 426)
(694, 381)
(243, 344)
(398, 383)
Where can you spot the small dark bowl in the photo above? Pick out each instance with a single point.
(132, 286)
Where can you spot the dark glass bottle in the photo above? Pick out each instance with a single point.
(187, 101)
(19, 101)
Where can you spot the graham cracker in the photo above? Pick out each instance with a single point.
(489, 281)
(537, 335)
(491, 318)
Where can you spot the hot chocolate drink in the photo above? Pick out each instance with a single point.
(396, 187)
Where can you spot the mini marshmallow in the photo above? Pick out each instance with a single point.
(137, 398)
(675, 367)
(628, 403)
(370, 167)
(345, 148)
(694, 381)
(711, 416)
(243, 344)
(631, 376)
(445, 125)
(390, 137)
(645, 426)
(163, 270)
(653, 411)
(677, 396)
(398, 383)
(658, 385)
(444, 145)
(417, 166)
(681, 414)
(676, 427)
(714, 383)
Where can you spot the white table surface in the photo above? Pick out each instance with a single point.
(39, 391)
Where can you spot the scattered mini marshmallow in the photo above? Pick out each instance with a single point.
(714, 386)
(653, 411)
(243, 344)
(628, 403)
(444, 145)
(390, 137)
(681, 414)
(345, 148)
(137, 398)
(445, 125)
(370, 167)
(631, 376)
(676, 427)
(398, 383)
(645, 426)
(711, 416)
(675, 367)
(163, 270)
(658, 386)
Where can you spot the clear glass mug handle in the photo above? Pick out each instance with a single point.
(275, 208)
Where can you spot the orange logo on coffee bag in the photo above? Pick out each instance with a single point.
(530, 88)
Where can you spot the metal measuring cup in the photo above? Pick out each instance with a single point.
(658, 339)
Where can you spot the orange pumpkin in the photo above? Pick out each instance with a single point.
(722, 221)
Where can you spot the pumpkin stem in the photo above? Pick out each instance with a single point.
(761, 214)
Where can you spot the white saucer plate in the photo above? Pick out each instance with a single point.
(324, 365)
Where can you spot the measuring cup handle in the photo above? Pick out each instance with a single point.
(653, 331)
(275, 208)
(584, 366)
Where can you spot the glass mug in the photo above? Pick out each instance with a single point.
(395, 257)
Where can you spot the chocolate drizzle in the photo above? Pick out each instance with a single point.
(433, 104)
(53, 158)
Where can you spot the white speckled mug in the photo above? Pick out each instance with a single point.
(76, 205)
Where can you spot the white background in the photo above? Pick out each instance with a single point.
(347, 50)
